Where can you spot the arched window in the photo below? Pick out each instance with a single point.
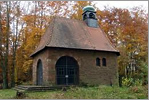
(103, 61)
(97, 61)
(84, 17)
(91, 15)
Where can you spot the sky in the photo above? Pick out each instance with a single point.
(122, 4)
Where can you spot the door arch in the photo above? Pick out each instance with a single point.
(39, 72)
(67, 71)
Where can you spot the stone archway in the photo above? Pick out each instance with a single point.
(39, 73)
(67, 71)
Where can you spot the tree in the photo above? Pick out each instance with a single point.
(77, 9)
(127, 30)
(21, 29)
(15, 36)
(1, 36)
(4, 46)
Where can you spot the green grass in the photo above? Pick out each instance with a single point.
(7, 94)
(97, 92)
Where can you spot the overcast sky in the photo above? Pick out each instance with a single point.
(122, 4)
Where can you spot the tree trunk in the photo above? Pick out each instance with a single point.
(3, 61)
(5, 70)
(14, 50)
(120, 80)
(1, 34)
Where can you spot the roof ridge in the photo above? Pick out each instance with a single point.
(68, 18)
(51, 30)
(42, 37)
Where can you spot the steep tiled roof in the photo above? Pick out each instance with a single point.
(74, 34)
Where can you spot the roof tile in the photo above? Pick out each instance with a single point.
(72, 33)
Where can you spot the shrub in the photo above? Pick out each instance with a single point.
(131, 82)
(127, 81)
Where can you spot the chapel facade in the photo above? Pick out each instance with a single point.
(72, 52)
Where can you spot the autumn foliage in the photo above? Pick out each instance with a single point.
(21, 28)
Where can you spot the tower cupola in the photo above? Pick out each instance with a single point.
(89, 16)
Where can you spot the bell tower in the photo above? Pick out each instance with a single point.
(89, 16)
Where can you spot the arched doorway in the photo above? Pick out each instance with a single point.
(67, 71)
(39, 73)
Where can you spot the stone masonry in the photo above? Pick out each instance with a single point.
(88, 71)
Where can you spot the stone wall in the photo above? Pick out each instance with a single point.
(88, 71)
(43, 56)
